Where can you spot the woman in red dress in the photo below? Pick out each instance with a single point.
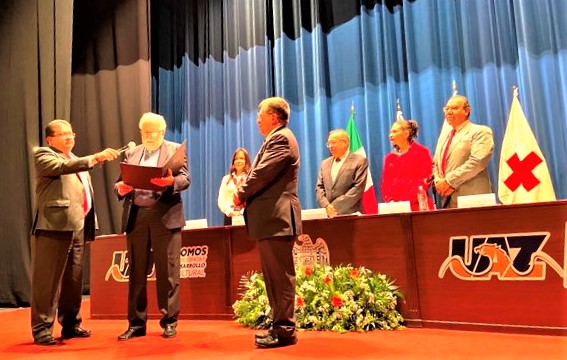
(406, 168)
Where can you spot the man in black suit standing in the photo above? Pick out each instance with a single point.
(273, 216)
(153, 220)
(64, 220)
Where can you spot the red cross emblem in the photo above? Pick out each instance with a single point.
(522, 171)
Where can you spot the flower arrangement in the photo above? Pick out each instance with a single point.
(342, 298)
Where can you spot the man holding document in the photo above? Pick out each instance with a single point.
(152, 220)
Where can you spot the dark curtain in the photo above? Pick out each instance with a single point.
(326, 56)
(85, 61)
(110, 88)
(110, 91)
(35, 73)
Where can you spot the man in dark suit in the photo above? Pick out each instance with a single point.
(153, 220)
(273, 216)
(342, 177)
(64, 220)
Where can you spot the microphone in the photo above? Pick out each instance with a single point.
(130, 145)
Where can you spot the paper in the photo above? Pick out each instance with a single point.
(179, 159)
(139, 176)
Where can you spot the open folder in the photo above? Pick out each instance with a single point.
(139, 176)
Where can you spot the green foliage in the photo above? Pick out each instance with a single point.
(341, 299)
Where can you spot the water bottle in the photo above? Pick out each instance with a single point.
(422, 199)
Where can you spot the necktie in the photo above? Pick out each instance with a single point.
(446, 150)
(79, 183)
(85, 202)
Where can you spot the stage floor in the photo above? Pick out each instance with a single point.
(219, 339)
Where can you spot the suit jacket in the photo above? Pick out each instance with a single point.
(169, 199)
(346, 193)
(59, 201)
(467, 160)
(270, 190)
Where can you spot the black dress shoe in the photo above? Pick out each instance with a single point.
(263, 335)
(169, 331)
(46, 340)
(273, 341)
(132, 333)
(75, 332)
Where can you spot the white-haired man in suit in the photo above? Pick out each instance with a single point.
(342, 177)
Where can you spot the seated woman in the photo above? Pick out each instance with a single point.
(406, 168)
(236, 175)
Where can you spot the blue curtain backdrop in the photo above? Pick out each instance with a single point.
(213, 61)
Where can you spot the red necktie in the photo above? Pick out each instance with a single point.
(444, 158)
(85, 201)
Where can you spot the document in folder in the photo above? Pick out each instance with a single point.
(139, 176)
(179, 158)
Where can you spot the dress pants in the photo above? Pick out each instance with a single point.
(276, 259)
(56, 280)
(150, 239)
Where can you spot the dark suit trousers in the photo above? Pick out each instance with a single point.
(151, 240)
(57, 280)
(276, 259)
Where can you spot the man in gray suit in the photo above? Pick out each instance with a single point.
(462, 154)
(342, 177)
(273, 216)
(64, 220)
(152, 221)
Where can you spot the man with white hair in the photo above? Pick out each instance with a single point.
(152, 221)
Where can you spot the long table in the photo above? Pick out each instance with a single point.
(499, 268)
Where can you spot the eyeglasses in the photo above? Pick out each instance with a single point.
(151, 133)
(334, 142)
(453, 108)
(65, 134)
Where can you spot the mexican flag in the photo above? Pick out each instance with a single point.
(524, 176)
(369, 202)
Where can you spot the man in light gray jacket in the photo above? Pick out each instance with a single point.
(462, 155)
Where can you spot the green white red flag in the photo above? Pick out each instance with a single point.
(369, 202)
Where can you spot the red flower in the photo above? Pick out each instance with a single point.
(299, 302)
(308, 271)
(336, 301)
(328, 279)
(354, 273)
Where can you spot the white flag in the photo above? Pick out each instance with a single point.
(523, 176)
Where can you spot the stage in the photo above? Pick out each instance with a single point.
(498, 268)
(224, 339)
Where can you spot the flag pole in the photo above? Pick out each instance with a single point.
(399, 114)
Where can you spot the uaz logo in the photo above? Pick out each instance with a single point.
(120, 268)
(516, 257)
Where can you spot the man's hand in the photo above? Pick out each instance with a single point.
(107, 154)
(331, 211)
(165, 181)
(122, 188)
(443, 188)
